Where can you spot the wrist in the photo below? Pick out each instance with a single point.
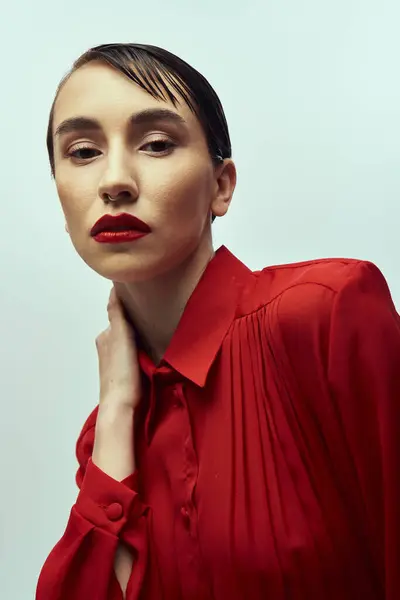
(113, 450)
(111, 410)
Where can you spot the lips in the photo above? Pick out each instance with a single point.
(121, 222)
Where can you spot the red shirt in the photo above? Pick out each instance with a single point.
(267, 446)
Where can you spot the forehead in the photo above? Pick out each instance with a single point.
(98, 90)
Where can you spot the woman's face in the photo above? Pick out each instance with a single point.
(158, 166)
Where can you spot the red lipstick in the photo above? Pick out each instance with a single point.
(119, 228)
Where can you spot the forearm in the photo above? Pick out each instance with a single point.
(113, 450)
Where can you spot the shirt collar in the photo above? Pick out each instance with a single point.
(206, 319)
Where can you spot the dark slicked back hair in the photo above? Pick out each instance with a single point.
(160, 73)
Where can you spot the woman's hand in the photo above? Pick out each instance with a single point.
(118, 364)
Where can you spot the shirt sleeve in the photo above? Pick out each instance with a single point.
(81, 565)
(364, 377)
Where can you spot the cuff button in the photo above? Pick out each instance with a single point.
(114, 511)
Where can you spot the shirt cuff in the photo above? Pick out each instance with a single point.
(106, 502)
(131, 481)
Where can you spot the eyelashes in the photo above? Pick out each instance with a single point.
(82, 148)
(159, 147)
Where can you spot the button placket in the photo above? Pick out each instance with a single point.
(183, 468)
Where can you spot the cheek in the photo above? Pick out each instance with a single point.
(184, 185)
(72, 199)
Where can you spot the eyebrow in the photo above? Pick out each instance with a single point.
(144, 117)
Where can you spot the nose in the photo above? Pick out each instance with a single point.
(118, 183)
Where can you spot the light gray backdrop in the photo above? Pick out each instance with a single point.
(311, 92)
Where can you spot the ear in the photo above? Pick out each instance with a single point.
(225, 186)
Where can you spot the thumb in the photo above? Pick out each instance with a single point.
(114, 306)
(116, 312)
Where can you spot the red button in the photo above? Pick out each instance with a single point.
(186, 516)
(177, 402)
(114, 511)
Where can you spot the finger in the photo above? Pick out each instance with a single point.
(115, 311)
(113, 296)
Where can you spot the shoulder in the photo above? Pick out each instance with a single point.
(308, 285)
(316, 317)
(330, 273)
(296, 301)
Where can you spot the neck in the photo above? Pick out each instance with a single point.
(155, 307)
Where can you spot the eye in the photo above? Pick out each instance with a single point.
(83, 149)
(161, 146)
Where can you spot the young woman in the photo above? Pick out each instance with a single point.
(246, 443)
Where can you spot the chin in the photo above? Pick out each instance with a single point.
(132, 273)
(128, 268)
